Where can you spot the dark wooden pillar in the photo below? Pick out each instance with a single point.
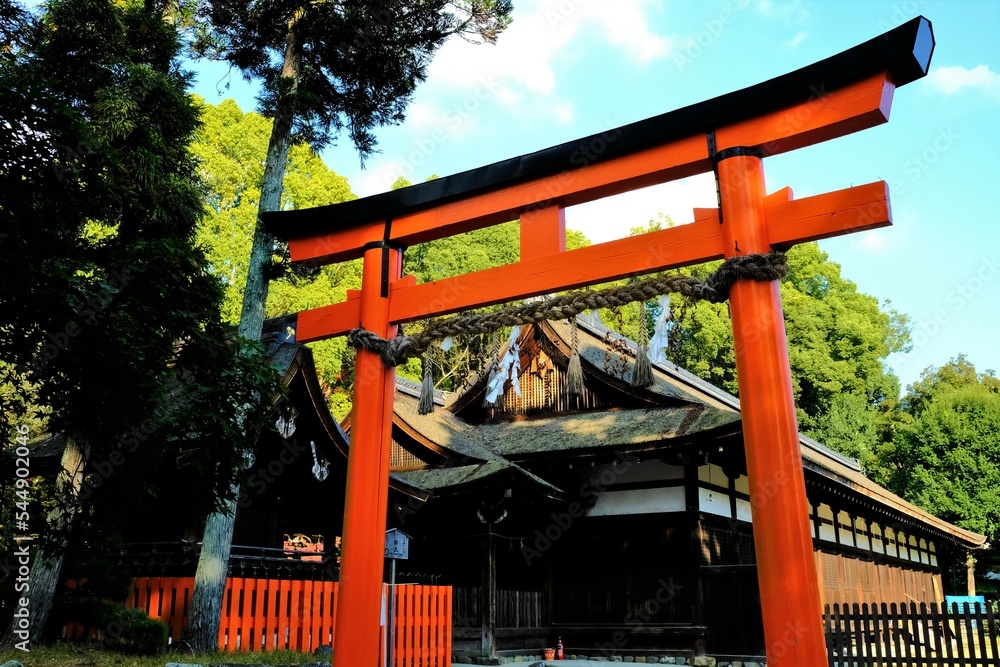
(970, 575)
(489, 594)
(691, 506)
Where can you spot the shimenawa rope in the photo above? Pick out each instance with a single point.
(714, 288)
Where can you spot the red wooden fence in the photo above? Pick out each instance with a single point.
(423, 626)
(277, 614)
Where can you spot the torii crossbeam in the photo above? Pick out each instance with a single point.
(729, 135)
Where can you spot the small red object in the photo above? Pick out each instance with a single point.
(559, 651)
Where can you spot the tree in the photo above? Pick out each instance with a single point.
(945, 456)
(935, 381)
(110, 323)
(326, 68)
(838, 340)
(230, 148)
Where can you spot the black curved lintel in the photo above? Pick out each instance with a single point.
(905, 52)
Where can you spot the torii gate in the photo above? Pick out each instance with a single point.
(730, 135)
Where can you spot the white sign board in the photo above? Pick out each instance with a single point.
(397, 544)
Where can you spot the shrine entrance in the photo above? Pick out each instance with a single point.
(728, 135)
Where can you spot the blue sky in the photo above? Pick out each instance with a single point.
(569, 68)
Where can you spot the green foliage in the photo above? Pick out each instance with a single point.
(133, 631)
(935, 381)
(360, 62)
(113, 627)
(946, 454)
(230, 148)
(112, 327)
(952, 454)
(838, 340)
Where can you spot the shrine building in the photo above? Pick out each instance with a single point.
(620, 520)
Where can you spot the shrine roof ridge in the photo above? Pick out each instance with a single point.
(905, 52)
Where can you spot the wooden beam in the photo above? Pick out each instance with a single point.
(822, 216)
(543, 231)
(831, 214)
(829, 115)
(318, 323)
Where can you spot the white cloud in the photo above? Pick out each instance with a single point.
(626, 26)
(612, 217)
(790, 12)
(798, 39)
(522, 61)
(563, 112)
(424, 116)
(873, 239)
(379, 177)
(950, 80)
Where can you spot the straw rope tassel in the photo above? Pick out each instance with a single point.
(574, 370)
(494, 371)
(426, 404)
(642, 374)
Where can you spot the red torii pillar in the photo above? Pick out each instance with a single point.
(730, 134)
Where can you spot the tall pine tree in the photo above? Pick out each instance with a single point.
(326, 68)
(108, 316)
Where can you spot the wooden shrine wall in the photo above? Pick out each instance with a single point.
(848, 580)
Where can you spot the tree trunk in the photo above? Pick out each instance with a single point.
(255, 292)
(28, 625)
(205, 612)
(202, 629)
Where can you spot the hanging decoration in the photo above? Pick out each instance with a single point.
(574, 370)
(661, 331)
(426, 404)
(319, 470)
(509, 368)
(615, 351)
(642, 372)
(286, 421)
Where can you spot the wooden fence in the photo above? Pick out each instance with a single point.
(278, 614)
(423, 626)
(515, 609)
(914, 635)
